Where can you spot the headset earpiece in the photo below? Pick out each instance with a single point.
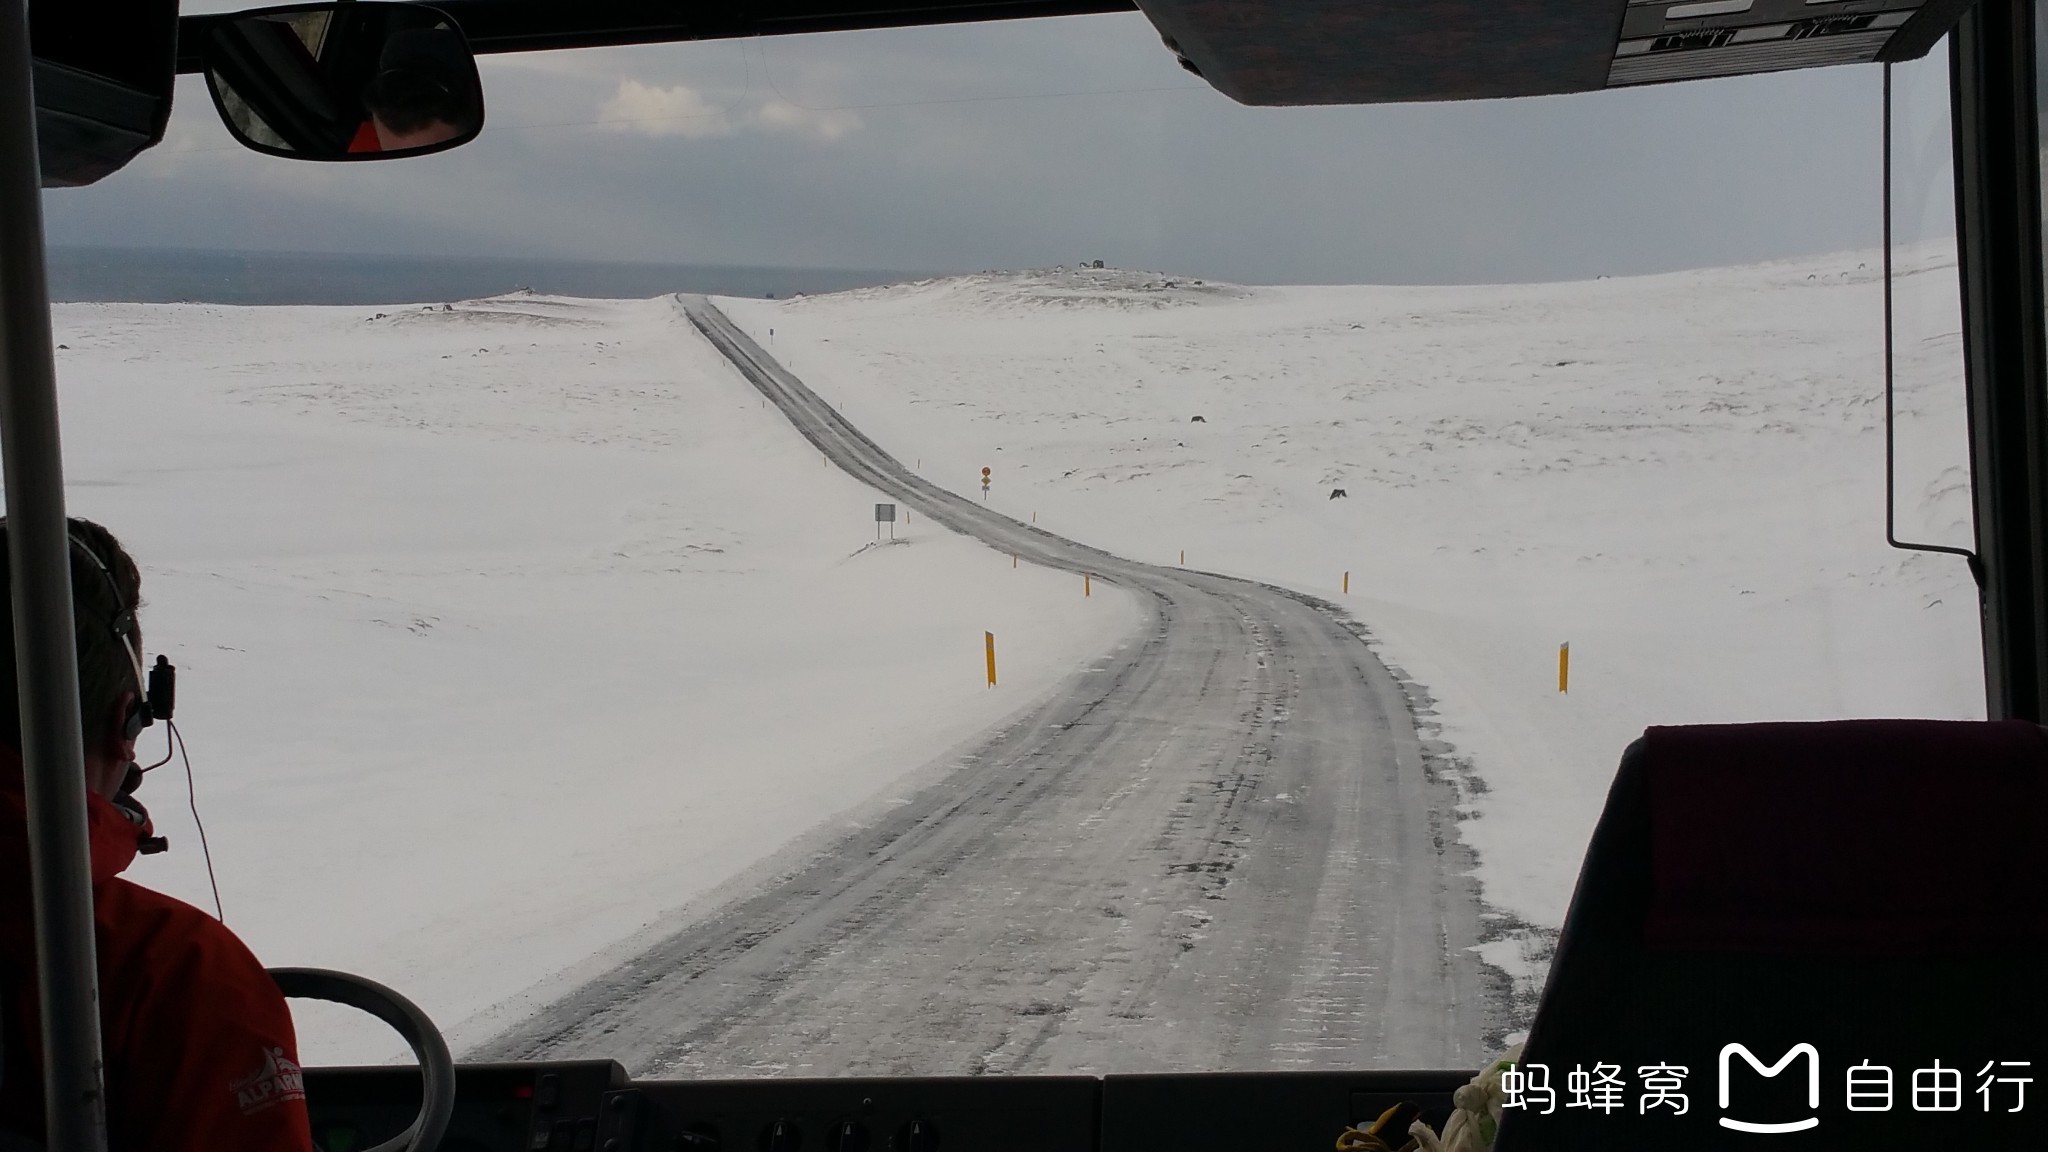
(154, 697)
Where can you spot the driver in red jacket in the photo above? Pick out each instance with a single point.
(197, 1040)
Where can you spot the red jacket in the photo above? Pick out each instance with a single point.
(198, 1043)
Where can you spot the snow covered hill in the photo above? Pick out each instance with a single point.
(510, 627)
(1681, 476)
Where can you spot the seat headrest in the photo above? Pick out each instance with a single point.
(1883, 836)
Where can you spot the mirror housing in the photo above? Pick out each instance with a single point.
(101, 98)
(355, 80)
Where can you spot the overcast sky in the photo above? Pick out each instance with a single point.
(1034, 143)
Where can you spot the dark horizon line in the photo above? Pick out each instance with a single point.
(432, 257)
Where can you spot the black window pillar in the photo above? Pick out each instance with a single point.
(1998, 226)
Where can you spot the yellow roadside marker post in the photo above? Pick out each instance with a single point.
(1084, 584)
(1347, 583)
(989, 639)
(1564, 667)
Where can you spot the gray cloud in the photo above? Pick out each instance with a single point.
(1034, 143)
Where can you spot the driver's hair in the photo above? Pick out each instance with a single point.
(423, 78)
(105, 669)
(408, 102)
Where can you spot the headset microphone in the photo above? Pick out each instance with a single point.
(126, 801)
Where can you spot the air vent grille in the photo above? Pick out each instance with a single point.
(1687, 41)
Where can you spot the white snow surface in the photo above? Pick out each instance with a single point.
(1681, 476)
(505, 632)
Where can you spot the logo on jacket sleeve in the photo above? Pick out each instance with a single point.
(276, 1079)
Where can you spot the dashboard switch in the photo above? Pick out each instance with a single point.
(781, 1136)
(917, 1136)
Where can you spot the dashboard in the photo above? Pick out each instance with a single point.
(593, 1106)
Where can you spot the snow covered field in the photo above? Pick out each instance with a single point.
(507, 629)
(1681, 476)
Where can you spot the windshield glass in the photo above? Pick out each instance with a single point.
(961, 550)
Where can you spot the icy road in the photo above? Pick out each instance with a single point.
(1218, 848)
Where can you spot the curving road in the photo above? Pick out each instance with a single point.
(1219, 848)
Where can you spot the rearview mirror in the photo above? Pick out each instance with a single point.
(356, 80)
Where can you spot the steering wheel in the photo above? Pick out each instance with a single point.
(437, 1069)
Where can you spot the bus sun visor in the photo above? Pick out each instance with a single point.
(1279, 52)
(103, 74)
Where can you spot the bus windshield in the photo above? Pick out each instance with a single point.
(961, 550)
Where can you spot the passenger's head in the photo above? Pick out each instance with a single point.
(106, 668)
(421, 95)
